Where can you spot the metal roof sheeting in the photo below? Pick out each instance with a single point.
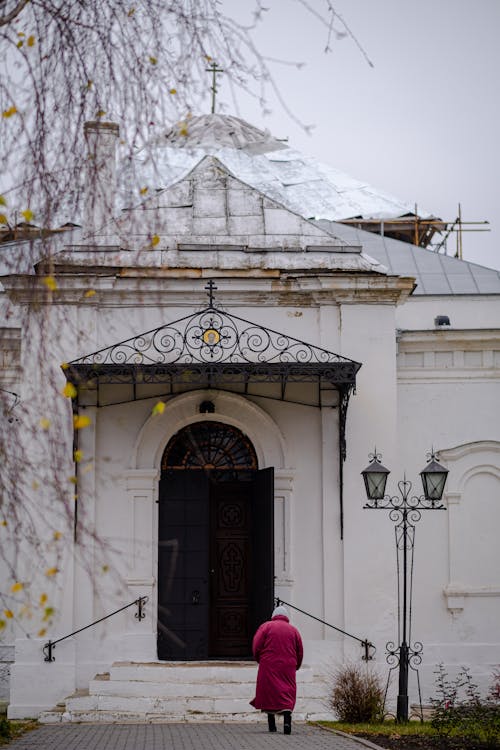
(434, 273)
(312, 189)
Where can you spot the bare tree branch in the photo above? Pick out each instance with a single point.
(6, 19)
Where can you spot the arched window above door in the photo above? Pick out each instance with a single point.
(210, 445)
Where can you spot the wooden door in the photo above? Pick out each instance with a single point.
(262, 594)
(215, 562)
(241, 562)
(183, 572)
(230, 568)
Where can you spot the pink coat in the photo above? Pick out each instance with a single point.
(277, 647)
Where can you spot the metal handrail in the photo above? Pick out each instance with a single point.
(367, 645)
(50, 645)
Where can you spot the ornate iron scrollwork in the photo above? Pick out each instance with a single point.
(212, 336)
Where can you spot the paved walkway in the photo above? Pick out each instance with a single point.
(181, 737)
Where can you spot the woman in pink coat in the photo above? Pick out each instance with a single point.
(277, 647)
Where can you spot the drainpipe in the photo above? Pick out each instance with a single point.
(100, 177)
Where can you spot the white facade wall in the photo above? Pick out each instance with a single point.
(418, 387)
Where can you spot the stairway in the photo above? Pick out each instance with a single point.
(180, 691)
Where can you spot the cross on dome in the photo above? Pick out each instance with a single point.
(214, 70)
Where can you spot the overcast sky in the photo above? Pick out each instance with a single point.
(422, 124)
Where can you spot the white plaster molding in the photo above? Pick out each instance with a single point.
(283, 479)
(459, 589)
(230, 408)
(456, 595)
(462, 462)
(140, 479)
(283, 511)
(140, 581)
(476, 339)
(479, 446)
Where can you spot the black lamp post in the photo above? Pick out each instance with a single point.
(404, 511)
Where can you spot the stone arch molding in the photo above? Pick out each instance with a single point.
(465, 462)
(141, 479)
(183, 410)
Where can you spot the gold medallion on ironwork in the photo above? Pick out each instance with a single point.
(211, 337)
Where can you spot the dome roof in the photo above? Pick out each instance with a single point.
(219, 131)
(310, 188)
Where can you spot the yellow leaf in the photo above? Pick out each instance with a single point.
(43, 599)
(100, 113)
(105, 568)
(51, 571)
(3, 202)
(42, 632)
(77, 456)
(57, 535)
(64, 365)
(153, 60)
(35, 484)
(3, 523)
(143, 191)
(90, 83)
(49, 611)
(89, 293)
(9, 614)
(131, 12)
(31, 41)
(2, 624)
(20, 44)
(80, 421)
(158, 408)
(154, 240)
(208, 58)
(44, 423)
(69, 390)
(50, 283)
(21, 33)
(18, 586)
(183, 130)
(28, 214)
(3, 219)
(172, 91)
(9, 112)
(73, 480)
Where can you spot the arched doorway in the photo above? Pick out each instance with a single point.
(215, 557)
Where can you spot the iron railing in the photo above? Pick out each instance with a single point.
(140, 615)
(367, 645)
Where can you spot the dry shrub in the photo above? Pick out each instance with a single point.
(357, 694)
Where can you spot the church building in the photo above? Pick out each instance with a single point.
(223, 358)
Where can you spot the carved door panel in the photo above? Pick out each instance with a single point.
(183, 573)
(241, 562)
(230, 568)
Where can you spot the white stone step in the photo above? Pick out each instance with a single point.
(184, 671)
(213, 689)
(173, 691)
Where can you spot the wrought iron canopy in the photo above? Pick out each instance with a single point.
(214, 349)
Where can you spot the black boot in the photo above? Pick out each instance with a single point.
(271, 721)
(287, 722)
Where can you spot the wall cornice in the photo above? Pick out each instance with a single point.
(453, 356)
(149, 287)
